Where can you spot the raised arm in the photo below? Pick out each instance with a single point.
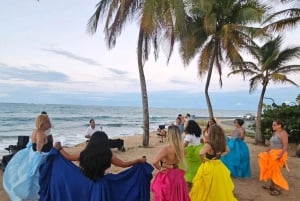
(120, 163)
(70, 157)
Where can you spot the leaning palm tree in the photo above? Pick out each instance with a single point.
(158, 22)
(271, 66)
(217, 32)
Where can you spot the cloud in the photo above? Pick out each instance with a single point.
(35, 72)
(73, 56)
(177, 81)
(118, 72)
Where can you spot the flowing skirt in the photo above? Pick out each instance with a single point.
(21, 175)
(238, 158)
(270, 167)
(193, 161)
(212, 183)
(170, 185)
(62, 180)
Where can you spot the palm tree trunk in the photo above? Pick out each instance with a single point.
(259, 137)
(143, 91)
(209, 73)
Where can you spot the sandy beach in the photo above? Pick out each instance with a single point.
(245, 189)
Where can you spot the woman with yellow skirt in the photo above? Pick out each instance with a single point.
(274, 159)
(212, 181)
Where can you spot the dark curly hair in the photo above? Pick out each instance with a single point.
(239, 121)
(193, 128)
(96, 157)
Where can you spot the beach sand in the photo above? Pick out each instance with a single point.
(245, 189)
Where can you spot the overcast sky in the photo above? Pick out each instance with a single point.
(46, 56)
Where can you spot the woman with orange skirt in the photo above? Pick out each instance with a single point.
(274, 159)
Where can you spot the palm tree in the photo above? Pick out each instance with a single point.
(298, 99)
(271, 66)
(286, 18)
(217, 32)
(159, 21)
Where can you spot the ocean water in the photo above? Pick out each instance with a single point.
(71, 121)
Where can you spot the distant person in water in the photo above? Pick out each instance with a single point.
(238, 159)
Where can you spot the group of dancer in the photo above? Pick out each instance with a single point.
(212, 159)
(192, 166)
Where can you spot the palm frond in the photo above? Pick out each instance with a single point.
(205, 57)
(101, 9)
(289, 18)
(253, 83)
(288, 69)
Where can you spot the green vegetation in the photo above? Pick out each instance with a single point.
(272, 66)
(290, 115)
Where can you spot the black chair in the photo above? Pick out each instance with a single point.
(22, 142)
(5, 160)
(117, 143)
(13, 149)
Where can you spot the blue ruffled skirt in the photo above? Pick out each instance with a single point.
(21, 175)
(238, 158)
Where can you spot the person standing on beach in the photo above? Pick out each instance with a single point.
(179, 123)
(91, 129)
(21, 175)
(238, 159)
(169, 183)
(212, 181)
(192, 144)
(274, 159)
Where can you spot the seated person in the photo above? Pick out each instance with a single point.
(91, 129)
(114, 143)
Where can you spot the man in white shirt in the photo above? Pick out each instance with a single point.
(91, 129)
